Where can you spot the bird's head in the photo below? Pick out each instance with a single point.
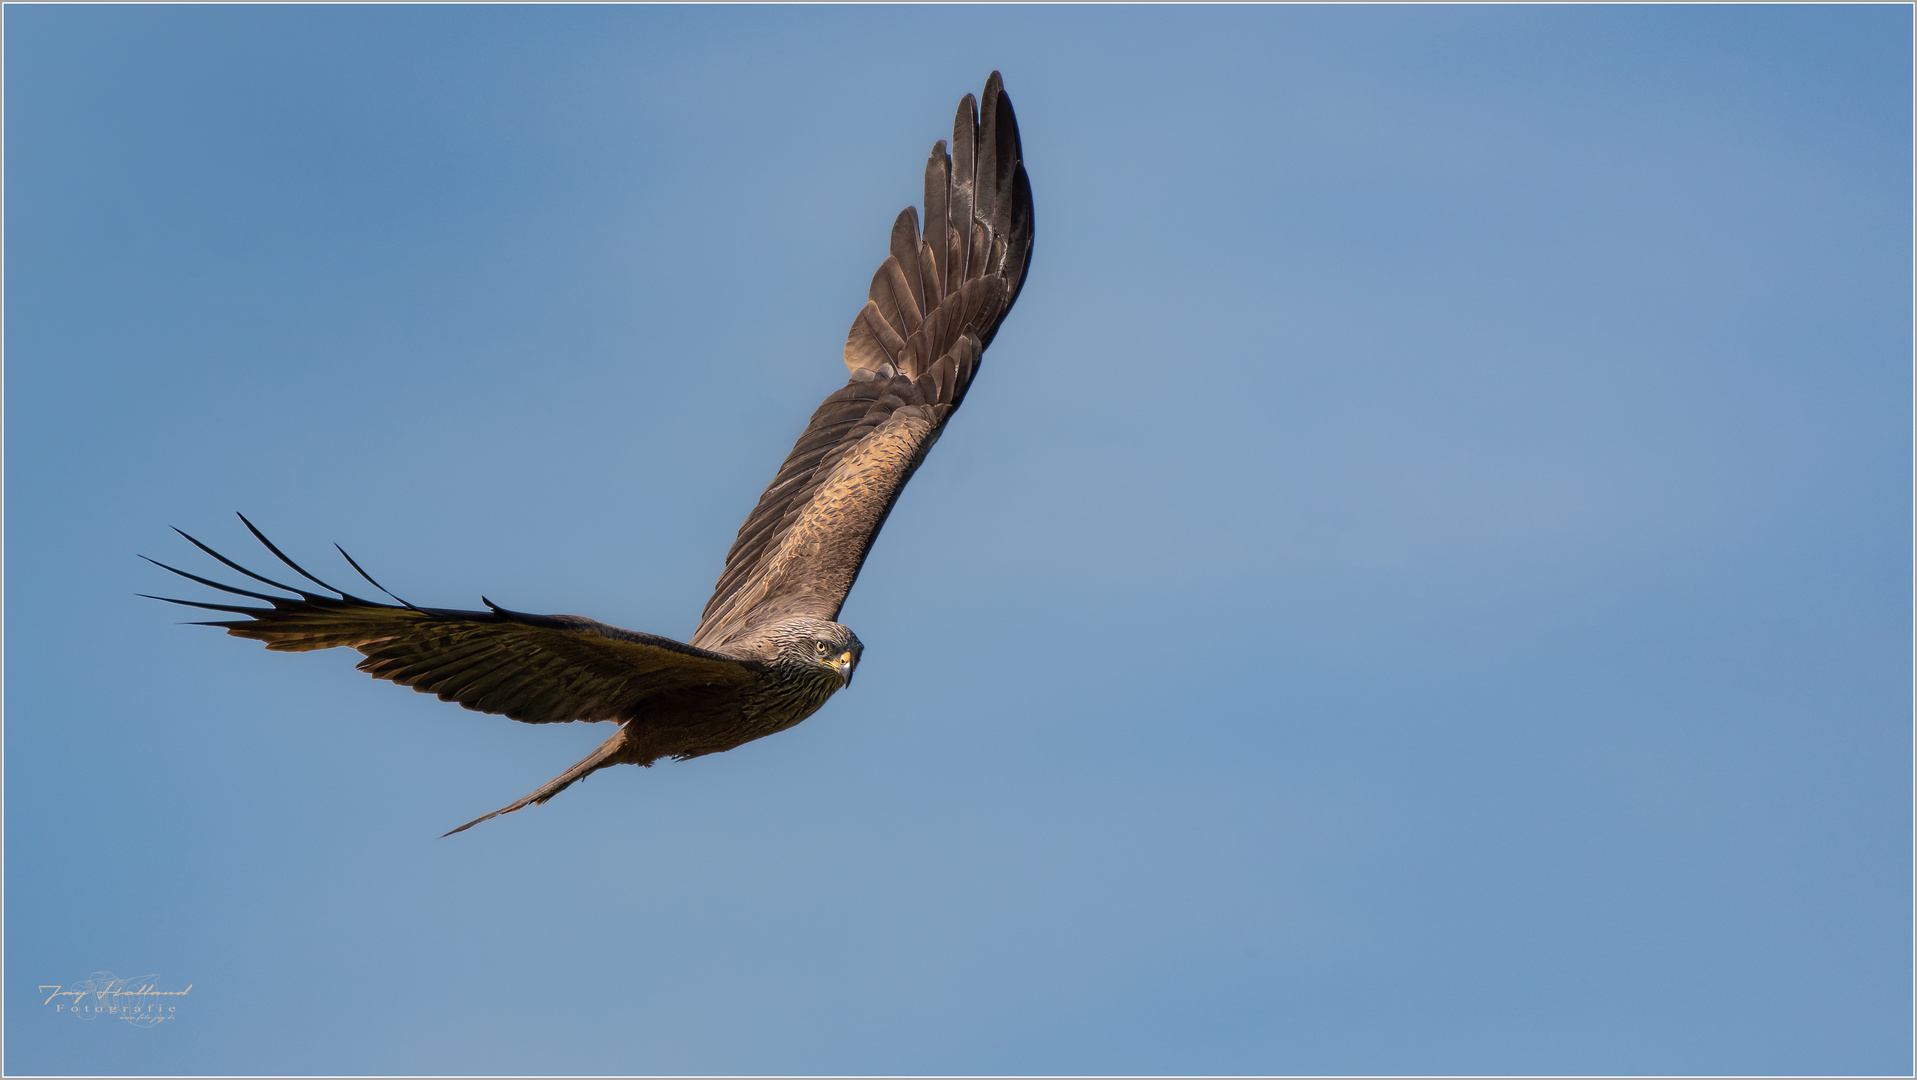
(820, 645)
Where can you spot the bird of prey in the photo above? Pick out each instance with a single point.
(768, 651)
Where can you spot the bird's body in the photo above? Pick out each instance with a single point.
(767, 652)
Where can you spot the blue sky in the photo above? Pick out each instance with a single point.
(1421, 583)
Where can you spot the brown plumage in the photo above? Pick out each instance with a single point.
(767, 653)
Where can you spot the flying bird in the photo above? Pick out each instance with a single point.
(768, 651)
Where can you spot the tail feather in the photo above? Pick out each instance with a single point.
(607, 754)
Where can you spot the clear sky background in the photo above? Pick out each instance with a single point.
(1421, 583)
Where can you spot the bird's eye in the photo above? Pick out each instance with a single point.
(822, 647)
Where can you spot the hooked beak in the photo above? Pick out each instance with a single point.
(843, 665)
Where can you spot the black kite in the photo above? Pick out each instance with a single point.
(767, 652)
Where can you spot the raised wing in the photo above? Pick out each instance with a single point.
(934, 306)
(537, 668)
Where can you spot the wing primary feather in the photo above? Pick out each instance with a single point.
(938, 193)
(985, 161)
(964, 177)
(236, 609)
(233, 565)
(369, 578)
(297, 568)
(236, 590)
(1018, 243)
(905, 248)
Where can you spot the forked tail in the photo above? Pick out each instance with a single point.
(607, 754)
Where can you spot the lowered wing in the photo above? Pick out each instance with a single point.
(539, 669)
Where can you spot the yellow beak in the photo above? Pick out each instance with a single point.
(843, 665)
